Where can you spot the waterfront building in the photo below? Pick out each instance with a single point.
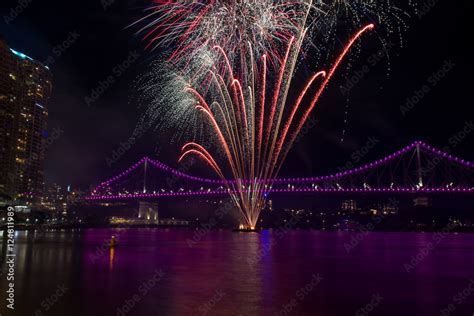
(25, 88)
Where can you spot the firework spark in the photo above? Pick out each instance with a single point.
(191, 27)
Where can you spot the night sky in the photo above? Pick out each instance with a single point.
(92, 132)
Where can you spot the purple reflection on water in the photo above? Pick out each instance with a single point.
(241, 274)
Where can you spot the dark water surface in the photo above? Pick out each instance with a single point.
(156, 272)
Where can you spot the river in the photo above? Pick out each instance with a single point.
(297, 272)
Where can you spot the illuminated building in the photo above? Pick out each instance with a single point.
(148, 212)
(52, 197)
(25, 87)
(349, 205)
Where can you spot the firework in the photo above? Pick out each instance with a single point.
(254, 128)
(228, 73)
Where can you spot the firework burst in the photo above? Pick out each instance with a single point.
(228, 74)
(255, 125)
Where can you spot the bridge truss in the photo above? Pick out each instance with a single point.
(417, 168)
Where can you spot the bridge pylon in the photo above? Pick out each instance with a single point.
(418, 164)
(145, 166)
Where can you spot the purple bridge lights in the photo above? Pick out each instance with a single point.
(417, 168)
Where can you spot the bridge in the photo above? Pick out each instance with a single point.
(417, 168)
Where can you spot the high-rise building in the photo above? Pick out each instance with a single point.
(25, 87)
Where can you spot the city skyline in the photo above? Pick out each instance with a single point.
(236, 157)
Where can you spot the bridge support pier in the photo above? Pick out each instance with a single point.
(148, 212)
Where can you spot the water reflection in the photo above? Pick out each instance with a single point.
(258, 273)
(111, 258)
